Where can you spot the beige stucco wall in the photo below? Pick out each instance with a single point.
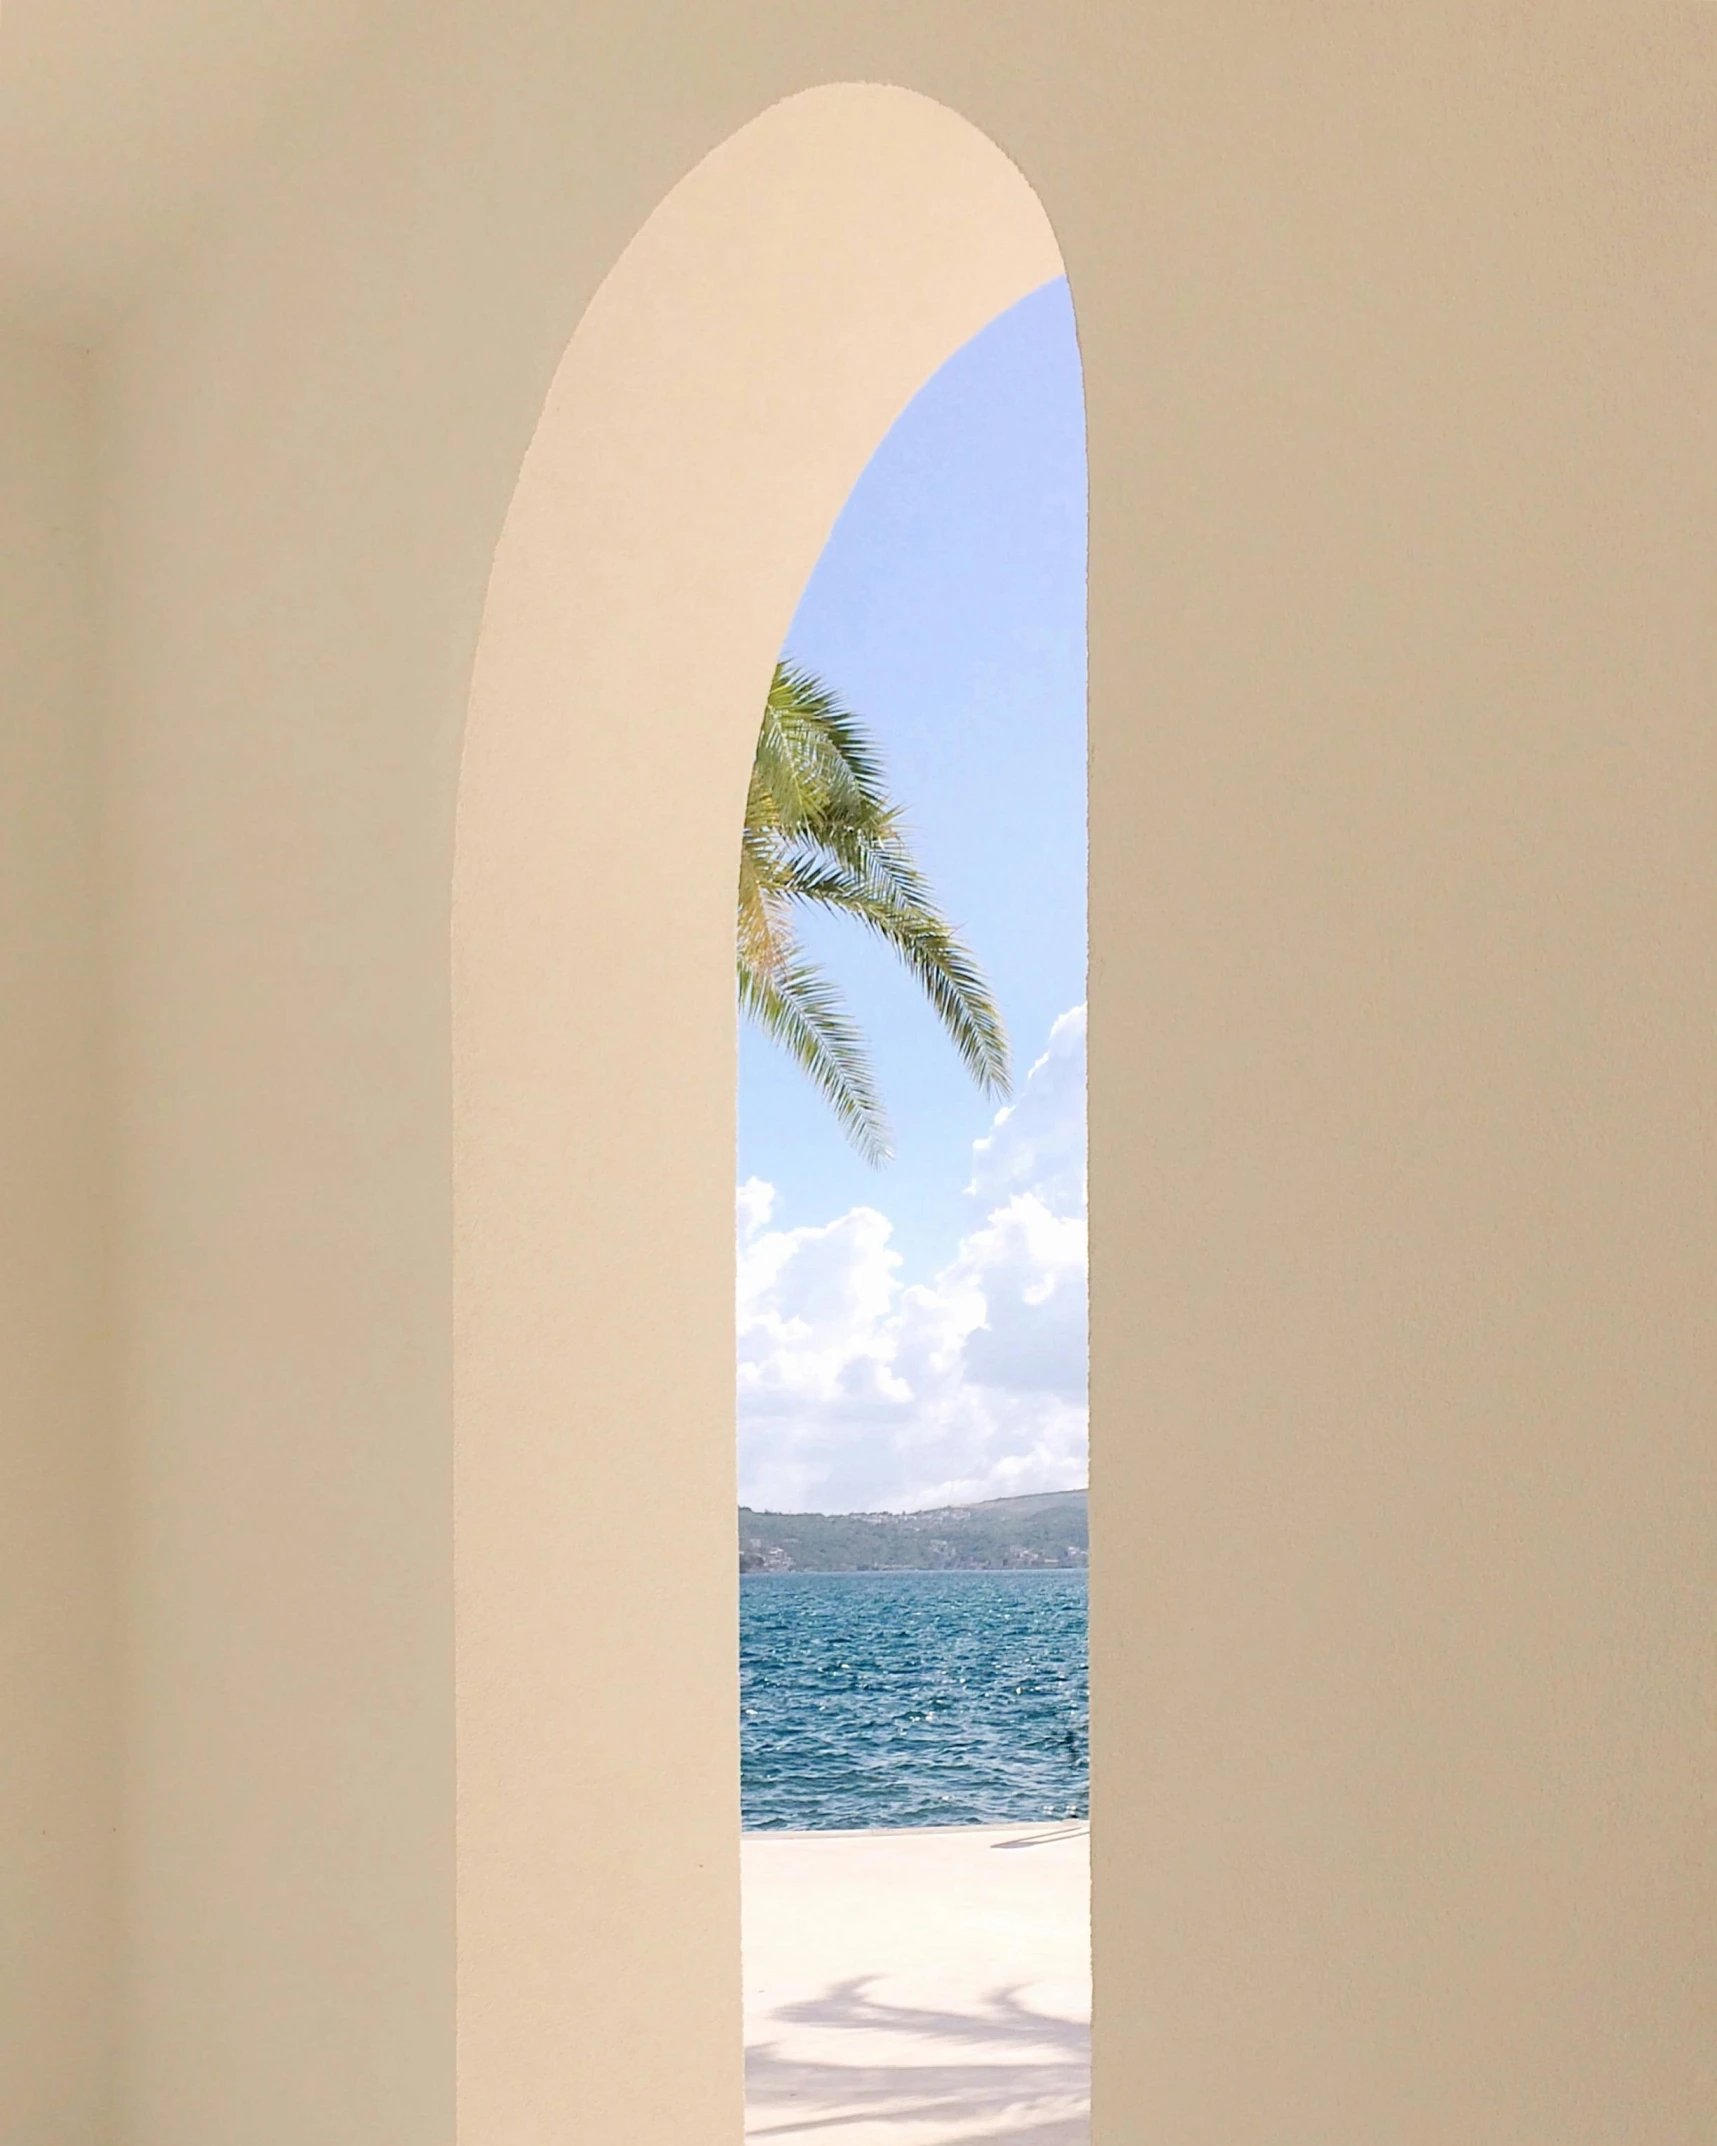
(283, 755)
(1397, 334)
(58, 1675)
(1404, 926)
(716, 406)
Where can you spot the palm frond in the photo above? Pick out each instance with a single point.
(932, 951)
(802, 1011)
(821, 830)
(814, 762)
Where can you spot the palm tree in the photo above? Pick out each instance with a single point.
(821, 830)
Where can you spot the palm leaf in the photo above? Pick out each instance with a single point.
(801, 1010)
(932, 952)
(821, 830)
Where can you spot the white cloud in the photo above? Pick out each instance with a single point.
(1037, 1143)
(755, 1203)
(858, 1392)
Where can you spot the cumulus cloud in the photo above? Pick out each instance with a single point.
(858, 1391)
(1037, 1143)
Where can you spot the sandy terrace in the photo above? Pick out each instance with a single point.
(918, 1988)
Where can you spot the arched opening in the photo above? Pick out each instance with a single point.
(911, 1329)
(716, 405)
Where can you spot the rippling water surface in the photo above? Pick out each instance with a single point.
(912, 1698)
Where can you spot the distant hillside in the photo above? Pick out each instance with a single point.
(1047, 1531)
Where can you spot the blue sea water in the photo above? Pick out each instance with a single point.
(912, 1698)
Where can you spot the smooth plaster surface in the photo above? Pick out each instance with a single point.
(122, 127)
(59, 1686)
(1396, 329)
(715, 408)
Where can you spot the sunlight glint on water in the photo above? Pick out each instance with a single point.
(912, 1699)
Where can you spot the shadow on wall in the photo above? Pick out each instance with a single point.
(1030, 2086)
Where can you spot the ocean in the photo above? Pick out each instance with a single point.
(912, 1698)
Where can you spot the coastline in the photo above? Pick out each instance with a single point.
(906, 1572)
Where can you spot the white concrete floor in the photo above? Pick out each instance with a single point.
(918, 1988)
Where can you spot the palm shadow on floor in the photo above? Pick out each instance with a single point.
(1028, 2082)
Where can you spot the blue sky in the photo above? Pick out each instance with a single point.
(948, 609)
